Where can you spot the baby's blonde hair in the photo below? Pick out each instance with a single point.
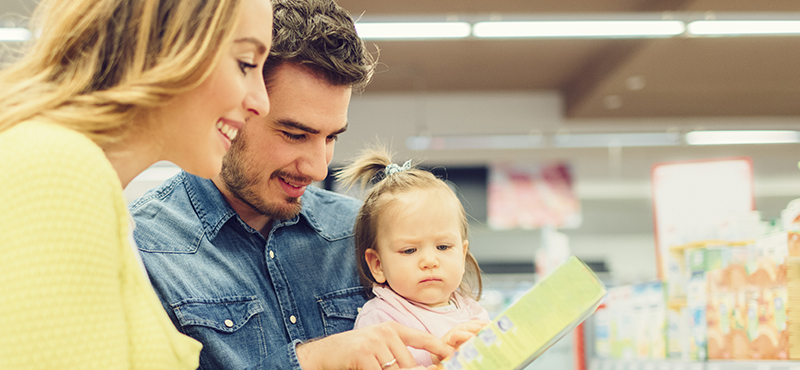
(96, 65)
(369, 168)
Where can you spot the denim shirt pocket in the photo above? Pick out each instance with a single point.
(340, 309)
(224, 321)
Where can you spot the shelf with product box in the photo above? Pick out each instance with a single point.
(607, 364)
(732, 306)
(729, 290)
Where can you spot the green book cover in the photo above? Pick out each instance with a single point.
(523, 331)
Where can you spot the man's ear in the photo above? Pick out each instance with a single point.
(374, 263)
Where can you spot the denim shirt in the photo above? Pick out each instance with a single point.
(250, 300)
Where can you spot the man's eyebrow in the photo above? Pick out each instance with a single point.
(260, 45)
(299, 126)
(342, 130)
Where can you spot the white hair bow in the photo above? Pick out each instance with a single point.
(393, 168)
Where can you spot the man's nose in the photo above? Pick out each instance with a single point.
(315, 162)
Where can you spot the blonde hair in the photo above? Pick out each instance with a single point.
(369, 168)
(96, 65)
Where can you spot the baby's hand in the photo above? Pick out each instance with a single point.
(460, 334)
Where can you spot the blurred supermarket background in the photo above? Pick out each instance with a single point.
(666, 160)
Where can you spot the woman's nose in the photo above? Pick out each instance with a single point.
(257, 99)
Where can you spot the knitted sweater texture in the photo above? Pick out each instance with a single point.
(72, 293)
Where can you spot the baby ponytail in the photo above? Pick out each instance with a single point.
(369, 167)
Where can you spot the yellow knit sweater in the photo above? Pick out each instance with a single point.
(72, 294)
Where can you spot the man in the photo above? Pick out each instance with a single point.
(255, 263)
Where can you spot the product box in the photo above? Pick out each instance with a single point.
(678, 269)
(678, 330)
(791, 241)
(699, 261)
(696, 299)
(688, 258)
(649, 320)
(621, 326)
(748, 313)
(602, 340)
(718, 313)
(770, 339)
(793, 300)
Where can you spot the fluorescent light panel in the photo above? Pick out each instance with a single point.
(14, 34)
(616, 140)
(546, 29)
(413, 30)
(475, 142)
(742, 137)
(540, 141)
(578, 29)
(601, 140)
(744, 27)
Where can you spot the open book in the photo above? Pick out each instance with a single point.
(523, 331)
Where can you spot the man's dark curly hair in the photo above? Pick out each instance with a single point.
(321, 36)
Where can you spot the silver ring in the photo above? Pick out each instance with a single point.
(390, 363)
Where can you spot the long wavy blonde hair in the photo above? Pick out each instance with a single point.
(95, 65)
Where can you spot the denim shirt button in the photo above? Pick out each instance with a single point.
(229, 323)
(293, 319)
(271, 255)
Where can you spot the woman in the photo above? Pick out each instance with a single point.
(108, 88)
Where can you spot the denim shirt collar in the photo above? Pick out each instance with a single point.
(214, 211)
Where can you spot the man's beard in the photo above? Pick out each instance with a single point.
(244, 185)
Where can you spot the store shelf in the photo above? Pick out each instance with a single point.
(600, 364)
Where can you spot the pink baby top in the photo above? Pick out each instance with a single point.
(389, 306)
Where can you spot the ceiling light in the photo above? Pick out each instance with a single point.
(616, 140)
(413, 30)
(540, 141)
(475, 142)
(612, 102)
(14, 34)
(635, 83)
(742, 137)
(744, 27)
(579, 29)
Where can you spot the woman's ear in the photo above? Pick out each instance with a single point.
(466, 248)
(374, 263)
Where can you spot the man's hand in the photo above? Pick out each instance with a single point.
(460, 334)
(369, 348)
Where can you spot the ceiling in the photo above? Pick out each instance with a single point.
(680, 83)
(597, 78)
(675, 77)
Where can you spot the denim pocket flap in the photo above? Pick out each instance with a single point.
(342, 303)
(224, 314)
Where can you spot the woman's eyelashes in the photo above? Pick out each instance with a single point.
(244, 66)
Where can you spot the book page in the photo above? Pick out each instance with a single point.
(527, 328)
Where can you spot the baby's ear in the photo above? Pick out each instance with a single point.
(374, 263)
